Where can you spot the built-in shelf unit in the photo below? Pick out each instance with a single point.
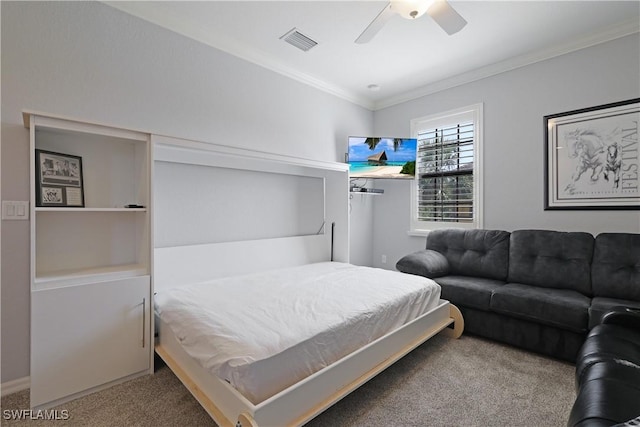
(90, 265)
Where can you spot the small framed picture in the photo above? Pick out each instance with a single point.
(592, 158)
(58, 180)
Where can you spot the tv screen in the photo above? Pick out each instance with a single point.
(373, 157)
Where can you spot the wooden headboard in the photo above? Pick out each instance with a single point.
(221, 211)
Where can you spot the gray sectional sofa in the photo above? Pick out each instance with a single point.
(536, 289)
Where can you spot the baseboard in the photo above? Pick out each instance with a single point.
(15, 386)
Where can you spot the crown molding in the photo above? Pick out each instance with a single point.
(165, 19)
(630, 27)
(159, 16)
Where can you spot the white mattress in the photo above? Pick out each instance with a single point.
(265, 332)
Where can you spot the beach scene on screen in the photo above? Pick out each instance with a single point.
(373, 157)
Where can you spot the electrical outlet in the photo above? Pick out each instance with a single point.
(383, 258)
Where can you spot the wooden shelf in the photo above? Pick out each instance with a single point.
(57, 279)
(49, 209)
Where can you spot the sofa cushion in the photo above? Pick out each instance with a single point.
(616, 266)
(551, 259)
(474, 292)
(478, 253)
(600, 306)
(607, 343)
(561, 308)
(425, 263)
(614, 368)
(609, 394)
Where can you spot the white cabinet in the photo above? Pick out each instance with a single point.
(87, 335)
(90, 257)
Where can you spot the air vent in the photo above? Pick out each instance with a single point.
(299, 40)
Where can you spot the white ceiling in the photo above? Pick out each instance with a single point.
(406, 59)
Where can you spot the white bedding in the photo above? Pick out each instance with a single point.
(267, 331)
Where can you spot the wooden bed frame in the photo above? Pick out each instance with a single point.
(181, 265)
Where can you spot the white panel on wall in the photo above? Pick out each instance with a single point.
(231, 204)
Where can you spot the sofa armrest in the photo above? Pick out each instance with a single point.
(623, 316)
(427, 263)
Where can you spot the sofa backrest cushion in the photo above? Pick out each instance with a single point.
(551, 259)
(481, 253)
(615, 270)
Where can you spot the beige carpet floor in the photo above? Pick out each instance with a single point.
(444, 382)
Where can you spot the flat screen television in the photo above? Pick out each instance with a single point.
(375, 157)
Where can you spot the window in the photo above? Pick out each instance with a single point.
(447, 187)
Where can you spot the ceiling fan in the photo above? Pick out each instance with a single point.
(440, 10)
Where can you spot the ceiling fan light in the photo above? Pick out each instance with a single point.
(410, 9)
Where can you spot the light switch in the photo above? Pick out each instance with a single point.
(15, 210)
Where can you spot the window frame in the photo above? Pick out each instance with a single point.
(446, 119)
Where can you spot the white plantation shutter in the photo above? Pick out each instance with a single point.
(445, 174)
(447, 170)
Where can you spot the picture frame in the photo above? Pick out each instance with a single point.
(592, 158)
(59, 180)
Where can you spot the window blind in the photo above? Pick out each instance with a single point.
(444, 173)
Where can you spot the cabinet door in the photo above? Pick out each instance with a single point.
(88, 335)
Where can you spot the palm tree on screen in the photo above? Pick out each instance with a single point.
(373, 142)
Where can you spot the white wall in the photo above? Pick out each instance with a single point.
(92, 62)
(361, 228)
(514, 105)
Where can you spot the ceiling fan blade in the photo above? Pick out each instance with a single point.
(376, 25)
(446, 16)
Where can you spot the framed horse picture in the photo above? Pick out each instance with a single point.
(592, 157)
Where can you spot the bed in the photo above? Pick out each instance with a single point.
(349, 322)
(292, 323)
(297, 331)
